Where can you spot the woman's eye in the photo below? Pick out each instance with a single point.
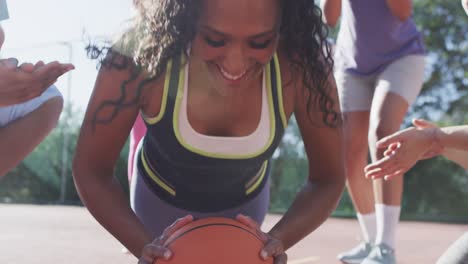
(214, 43)
(260, 45)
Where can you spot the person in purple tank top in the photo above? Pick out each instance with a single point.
(404, 148)
(379, 71)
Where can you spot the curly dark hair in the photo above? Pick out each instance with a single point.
(164, 29)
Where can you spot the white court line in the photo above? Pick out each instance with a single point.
(304, 260)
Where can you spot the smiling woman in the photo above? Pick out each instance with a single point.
(215, 82)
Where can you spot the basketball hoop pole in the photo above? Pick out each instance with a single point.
(67, 108)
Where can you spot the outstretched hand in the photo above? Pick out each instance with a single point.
(404, 149)
(273, 246)
(20, 83)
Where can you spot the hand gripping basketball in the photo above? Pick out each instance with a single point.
(157, 249)
(273, 246)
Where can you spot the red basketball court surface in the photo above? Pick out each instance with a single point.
(31, 234)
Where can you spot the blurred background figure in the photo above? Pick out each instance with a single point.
(29, 104)
(379, 71)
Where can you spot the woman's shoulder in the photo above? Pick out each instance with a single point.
(120, 73)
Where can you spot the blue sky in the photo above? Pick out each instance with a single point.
(36, 30)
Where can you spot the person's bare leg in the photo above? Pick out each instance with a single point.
(356, 125)
(387, 113)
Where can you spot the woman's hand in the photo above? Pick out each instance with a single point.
(156, 249)
(404, 149)
(273, 246)
(19, 83)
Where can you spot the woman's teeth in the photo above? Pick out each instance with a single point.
(230, 76)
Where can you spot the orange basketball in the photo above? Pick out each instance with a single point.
(215, 240)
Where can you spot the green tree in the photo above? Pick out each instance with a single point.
(38, 178)
(444, 26)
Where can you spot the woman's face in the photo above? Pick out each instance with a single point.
(236, 39)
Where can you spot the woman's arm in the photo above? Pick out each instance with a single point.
(20, 137)
(458, 156)
(331, 11)
(453, 137)
(96, 154)
(321, 193)
(402, 9)
(455, 142)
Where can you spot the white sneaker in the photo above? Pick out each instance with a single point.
(356, 255)
(381, 254)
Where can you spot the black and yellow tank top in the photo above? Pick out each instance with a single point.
(196, 179)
